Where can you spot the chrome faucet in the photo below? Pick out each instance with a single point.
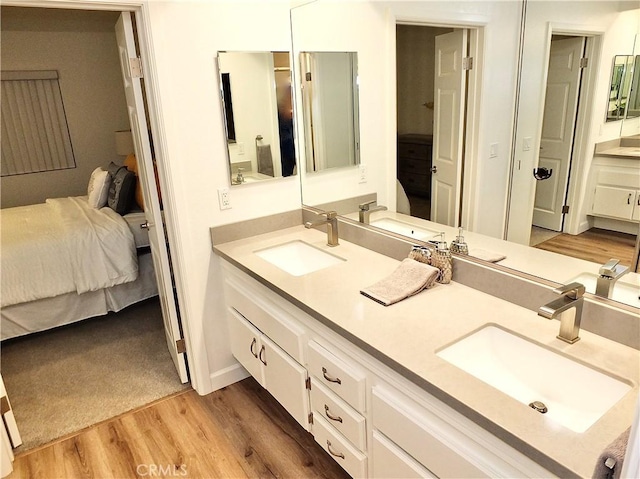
(332, 226)
(609, 273)
(567, 308)
(366, 209)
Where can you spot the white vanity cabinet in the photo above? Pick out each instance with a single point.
(371, 419)
(616, 189)
(273, 367)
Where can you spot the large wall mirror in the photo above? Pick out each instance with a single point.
(500, 152)
(256, 96)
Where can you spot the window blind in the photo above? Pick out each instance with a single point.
(35, 134)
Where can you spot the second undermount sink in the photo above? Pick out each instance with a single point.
(298, 258)
(623, 291)
(405, 229)
(575, 395)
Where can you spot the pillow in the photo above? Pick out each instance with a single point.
(132, 165)
(122, 189)
(98, 189)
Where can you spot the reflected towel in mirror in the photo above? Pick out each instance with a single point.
(486, 255)
(408, 279)
(609, 464)
(265, 161)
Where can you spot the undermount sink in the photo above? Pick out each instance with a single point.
(298, 258)
(623, 292)
(575, 395)
(405, 229)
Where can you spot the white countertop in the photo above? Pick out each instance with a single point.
(406, 336)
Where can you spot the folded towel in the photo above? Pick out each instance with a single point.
(486, 255)
(265, 161)
(609, 464)
(408, 279)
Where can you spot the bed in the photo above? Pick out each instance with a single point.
(65, 260)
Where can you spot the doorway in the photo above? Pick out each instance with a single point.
(433, 64)
(153, 311)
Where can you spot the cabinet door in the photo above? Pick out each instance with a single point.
(390, 462)
(636, 207)
(285, 379)
(246, 345)
(613, 201)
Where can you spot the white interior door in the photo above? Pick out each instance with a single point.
(9, 434)
(153, 214)
(558, 126)
(449, 94)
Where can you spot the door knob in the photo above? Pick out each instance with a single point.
(434, 169)
(145, 225)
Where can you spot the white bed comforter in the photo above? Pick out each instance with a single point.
(63, 246)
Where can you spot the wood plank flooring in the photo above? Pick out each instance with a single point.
(595, 245)
(236, 432)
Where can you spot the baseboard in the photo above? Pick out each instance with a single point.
(227, 376)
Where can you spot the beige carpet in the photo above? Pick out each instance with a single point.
(63, 380)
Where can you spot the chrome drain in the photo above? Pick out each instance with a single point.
(538, 406)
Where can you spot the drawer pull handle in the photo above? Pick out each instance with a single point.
(329, 378)
(261, 357)
(253, 344)
(629, 199)
(337, 454)
(331, 416)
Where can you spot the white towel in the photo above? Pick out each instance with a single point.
(408, 279)
(486, 255)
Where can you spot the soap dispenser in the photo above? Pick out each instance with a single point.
(458, 245)
(441, 259)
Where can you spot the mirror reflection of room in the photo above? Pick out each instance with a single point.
(258, 114)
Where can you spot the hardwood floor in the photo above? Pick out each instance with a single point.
(595, 245)
(236, 432)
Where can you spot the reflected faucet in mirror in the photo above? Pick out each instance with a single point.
(609, 273)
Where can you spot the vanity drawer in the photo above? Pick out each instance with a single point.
(267, 318)
(391, 462)
(338, 413)
(343, 378)
(423, 435)
(351, 460)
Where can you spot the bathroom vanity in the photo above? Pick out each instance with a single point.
(372, 385)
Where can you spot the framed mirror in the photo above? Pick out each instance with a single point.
(503, 162)
(329, 83)
(620, 87)
(256, 96)
(633, 105)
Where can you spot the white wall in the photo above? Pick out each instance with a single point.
(186, 39)
(81, 46)
(617, 30)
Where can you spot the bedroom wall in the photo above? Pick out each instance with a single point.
(82, 47)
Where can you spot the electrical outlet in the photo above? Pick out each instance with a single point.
(526, 143)
(363, 174)
(223, 198)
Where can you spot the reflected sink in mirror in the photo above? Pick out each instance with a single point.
(405, 229)
(623, 292)
(298, 258)
(575, 395)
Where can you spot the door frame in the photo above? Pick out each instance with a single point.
(466, 197)
(196, 356)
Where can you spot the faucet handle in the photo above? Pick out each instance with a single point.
(329, 214)
(365, 206)
(609, 268)
(573, 290)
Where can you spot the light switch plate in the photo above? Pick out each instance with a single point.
(363, 174)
